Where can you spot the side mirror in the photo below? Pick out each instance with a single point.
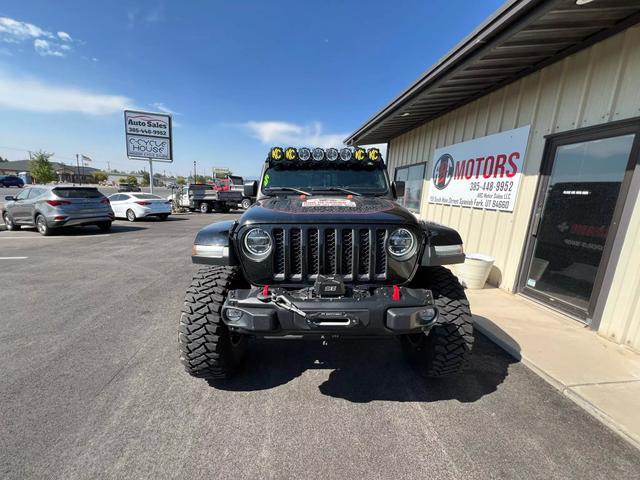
(398, 187)
(250, 189)
(9, 198)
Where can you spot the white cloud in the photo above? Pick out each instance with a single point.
(36, 96)
(15, 31)
(45, 43)
(161, 107)
(46, 49)
(272, 132)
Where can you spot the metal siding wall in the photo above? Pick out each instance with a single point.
(594, 86)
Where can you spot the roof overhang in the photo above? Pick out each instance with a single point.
(521, 37)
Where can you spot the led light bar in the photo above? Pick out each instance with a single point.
(346, 154)
(317, 154)
(276, 153)
(291, 154)
(332, 154)
(304, 154)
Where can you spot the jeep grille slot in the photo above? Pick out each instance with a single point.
(301, 253)
(381, 252)
(364, 257)
(278, 254)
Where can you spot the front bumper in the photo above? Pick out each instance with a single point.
(374, 313)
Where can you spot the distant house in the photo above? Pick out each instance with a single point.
(66, 173)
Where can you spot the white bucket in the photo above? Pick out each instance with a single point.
(475, 270)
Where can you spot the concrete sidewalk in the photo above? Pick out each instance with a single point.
(599, 375)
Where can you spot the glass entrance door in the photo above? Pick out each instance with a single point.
(581, 182)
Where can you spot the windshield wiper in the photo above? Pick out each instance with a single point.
(289, 189)
(336, 189)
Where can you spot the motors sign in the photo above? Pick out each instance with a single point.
(481, 173)
(148, 135)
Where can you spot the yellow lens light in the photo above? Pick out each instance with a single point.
(373, 154)
(277, 153)
(360, 154)
(291, 153)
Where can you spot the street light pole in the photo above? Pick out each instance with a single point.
(195, 172)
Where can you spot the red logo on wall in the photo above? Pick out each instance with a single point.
(443, 171)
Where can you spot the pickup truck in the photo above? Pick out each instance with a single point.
(205, 199)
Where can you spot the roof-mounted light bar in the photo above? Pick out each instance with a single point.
(358, 155)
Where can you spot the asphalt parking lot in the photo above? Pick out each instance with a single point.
(92, 386)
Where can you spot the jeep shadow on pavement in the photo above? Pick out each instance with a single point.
(325, 252)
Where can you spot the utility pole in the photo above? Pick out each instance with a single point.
(195, 172)
(78, 169)
(108, 166)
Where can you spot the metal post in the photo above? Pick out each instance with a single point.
(150, 176)
(195, 173)
(77, 170)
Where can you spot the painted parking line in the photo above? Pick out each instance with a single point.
(24, 237)
(13, 258)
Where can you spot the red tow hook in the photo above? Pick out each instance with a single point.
(395, 296)
(265, 290)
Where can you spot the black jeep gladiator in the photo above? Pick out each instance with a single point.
(325, 252)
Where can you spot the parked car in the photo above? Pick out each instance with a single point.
(138, 205)
(49, 208)
(11, 181)
(128, 187)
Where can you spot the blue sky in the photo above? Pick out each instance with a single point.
(238, 75)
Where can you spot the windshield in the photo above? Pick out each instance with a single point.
(371, 182)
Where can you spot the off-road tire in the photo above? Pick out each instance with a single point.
(204, 207)
(207, 348)
(8, 221)
(446, 349)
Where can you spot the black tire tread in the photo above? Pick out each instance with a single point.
(448, 346)
(205, 350)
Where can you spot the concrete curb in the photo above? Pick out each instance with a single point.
(493, 333)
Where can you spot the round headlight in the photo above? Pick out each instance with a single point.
(346, 154)
(257, 242)
(332, 154)
(360, 154)
(304, 154)
(401, 243)
(318, 154)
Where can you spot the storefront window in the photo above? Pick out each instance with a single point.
(413, 176)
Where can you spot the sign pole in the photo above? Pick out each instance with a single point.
(150, 176)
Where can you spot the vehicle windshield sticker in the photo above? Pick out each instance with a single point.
(329, 202)
(265, 181)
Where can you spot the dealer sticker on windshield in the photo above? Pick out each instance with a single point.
(329, 202)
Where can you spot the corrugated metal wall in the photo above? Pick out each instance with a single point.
(594, 86)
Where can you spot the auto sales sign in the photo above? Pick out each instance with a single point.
(148, 135)
(481, 173)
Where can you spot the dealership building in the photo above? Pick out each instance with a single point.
(525, 137)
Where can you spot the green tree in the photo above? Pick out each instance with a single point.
(100, 177)
(145, 178)
(132, 180)
(181, 181)
(41, 169)
(3, 160)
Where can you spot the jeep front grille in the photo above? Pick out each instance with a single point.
(358, 254)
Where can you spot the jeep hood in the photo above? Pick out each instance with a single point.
(327, 209)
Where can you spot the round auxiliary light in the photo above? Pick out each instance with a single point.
(346, 154)
(276, 153)
(291, 154)
(233, 314)
(360, 154)
(401, 243)
(257, 243)
(317, 154)
(332, 154)
(373, 154)
(304, 154)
